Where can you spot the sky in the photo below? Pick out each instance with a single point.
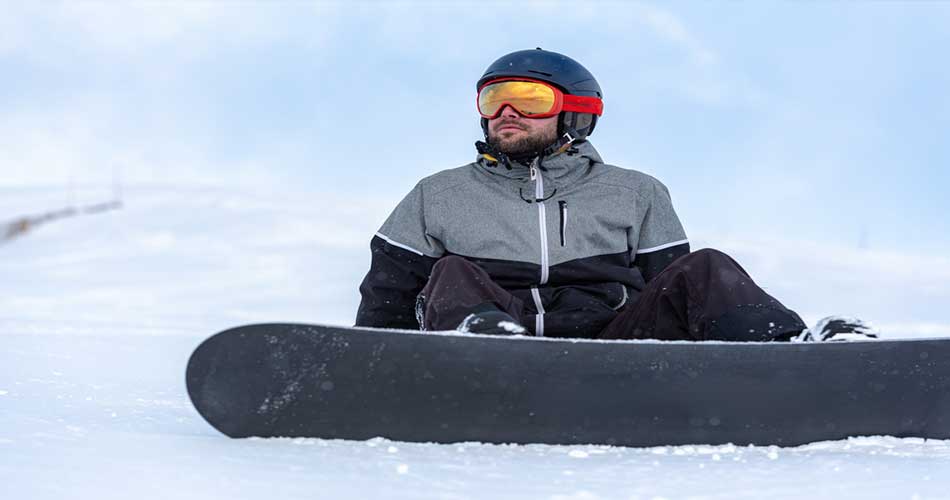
(770, 122)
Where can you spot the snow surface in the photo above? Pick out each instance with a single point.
(99, 313)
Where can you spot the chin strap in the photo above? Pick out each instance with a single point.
(562, 144)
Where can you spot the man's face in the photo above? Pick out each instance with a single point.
(514, 134)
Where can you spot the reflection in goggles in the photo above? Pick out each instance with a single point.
(528, 98)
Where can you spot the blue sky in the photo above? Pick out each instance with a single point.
(822, 122)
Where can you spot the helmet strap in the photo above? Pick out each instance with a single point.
(492, 154)
(562, 144)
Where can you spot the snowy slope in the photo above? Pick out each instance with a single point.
(99, 313)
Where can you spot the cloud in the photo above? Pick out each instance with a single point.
(142, 97)
(87, 141)
(669, 27)
(132, 27)
(106, 86)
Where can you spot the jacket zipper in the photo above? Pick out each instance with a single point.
(542, 220)
(563, 205)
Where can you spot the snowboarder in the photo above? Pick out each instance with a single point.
(539, 236)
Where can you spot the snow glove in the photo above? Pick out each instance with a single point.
(838, 329)
(487, 319)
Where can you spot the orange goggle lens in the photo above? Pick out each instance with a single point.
(528, 98)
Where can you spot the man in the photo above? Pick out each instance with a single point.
(540, 237)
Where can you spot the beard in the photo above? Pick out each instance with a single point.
(528, 146)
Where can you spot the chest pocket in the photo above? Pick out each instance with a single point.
(583, 226)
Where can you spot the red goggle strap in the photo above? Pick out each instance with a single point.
(582, 104)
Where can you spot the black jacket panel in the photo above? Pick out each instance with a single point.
(390, 287)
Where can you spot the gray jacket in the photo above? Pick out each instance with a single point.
(567, 234)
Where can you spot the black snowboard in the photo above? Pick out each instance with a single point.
(358, 383)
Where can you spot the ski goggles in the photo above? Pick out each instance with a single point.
(532, 99)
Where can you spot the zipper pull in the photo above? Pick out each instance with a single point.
(534, 173)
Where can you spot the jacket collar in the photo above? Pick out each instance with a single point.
(562, 168)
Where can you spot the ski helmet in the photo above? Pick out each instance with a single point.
(558, 70)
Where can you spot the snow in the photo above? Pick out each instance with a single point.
(511, 327)
(99, 313)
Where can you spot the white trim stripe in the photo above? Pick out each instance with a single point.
(661, 247)
(400, 245)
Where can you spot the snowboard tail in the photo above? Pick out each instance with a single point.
(294, 380)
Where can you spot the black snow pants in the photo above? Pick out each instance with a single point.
(704, 295)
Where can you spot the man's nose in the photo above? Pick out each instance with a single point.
(509, 111)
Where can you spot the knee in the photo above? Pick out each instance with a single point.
(702, 258)
(714, 265)
(707, 254)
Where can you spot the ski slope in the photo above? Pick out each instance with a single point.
(99, 313)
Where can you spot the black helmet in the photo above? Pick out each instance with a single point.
(556, 69)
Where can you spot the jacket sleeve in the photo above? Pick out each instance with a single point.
(661, 238)
(403, 254)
